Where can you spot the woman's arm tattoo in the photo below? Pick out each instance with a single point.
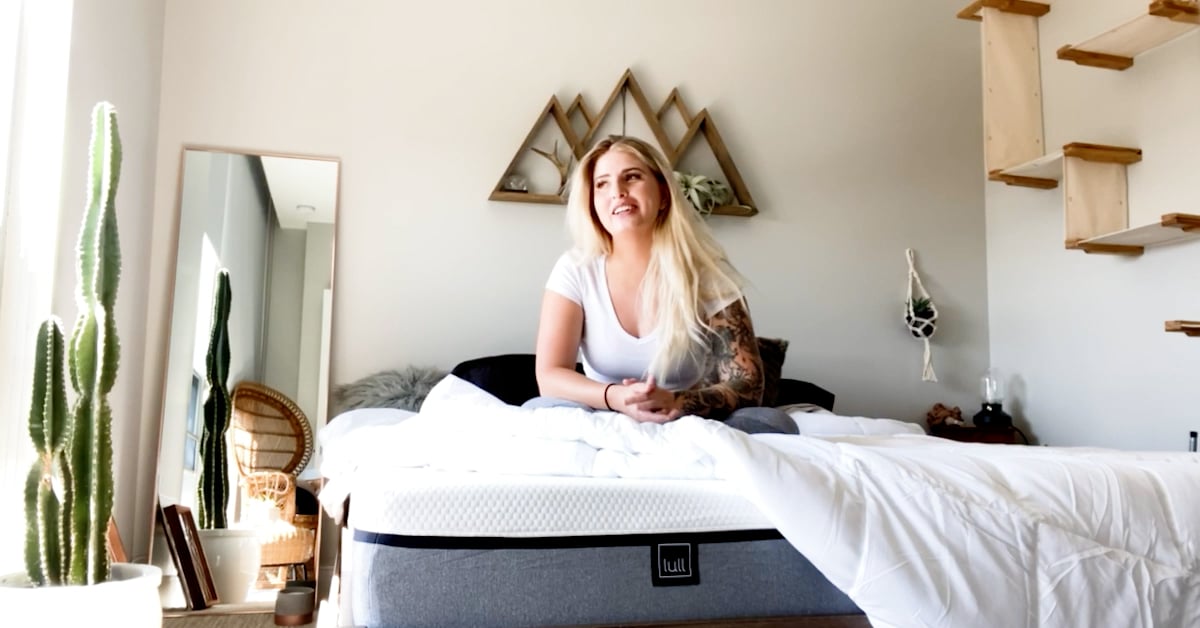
(734, 379)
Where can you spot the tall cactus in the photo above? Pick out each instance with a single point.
(69, 490)
(214, 477)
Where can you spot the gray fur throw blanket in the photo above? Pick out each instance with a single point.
(404, 389)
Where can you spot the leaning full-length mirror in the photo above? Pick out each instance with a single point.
(263, 224)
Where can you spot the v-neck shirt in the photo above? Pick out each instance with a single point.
(608, 352)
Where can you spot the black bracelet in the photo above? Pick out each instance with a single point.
(606, 397)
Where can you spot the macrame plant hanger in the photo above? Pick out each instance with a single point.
(920, 315)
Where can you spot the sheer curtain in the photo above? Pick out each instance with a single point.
(35, 38)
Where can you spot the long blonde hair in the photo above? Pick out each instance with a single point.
(687, 266)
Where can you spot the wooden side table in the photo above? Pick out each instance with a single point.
(974, 434)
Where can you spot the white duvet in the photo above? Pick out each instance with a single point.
(917, 531)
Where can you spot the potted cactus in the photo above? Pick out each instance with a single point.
(233, 554)
(69, 491)
(214, 475)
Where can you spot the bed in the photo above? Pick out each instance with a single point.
(478, 513)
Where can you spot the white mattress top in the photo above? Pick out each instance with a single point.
(421, 502)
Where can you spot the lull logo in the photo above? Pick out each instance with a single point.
(674, 564)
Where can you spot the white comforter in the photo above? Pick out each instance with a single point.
(917, 531)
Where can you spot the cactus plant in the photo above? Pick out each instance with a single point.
(69, 491)
(214, 477)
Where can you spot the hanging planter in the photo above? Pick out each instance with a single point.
(920, 315)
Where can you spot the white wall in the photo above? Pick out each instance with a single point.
(1083, 334)
(318, 273)
(855, 125)
(285, 293)
(855, 147)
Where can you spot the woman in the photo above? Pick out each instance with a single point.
(649, 301)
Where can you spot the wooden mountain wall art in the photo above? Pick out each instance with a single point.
(699, 125)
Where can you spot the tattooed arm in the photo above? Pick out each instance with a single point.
(735, 377)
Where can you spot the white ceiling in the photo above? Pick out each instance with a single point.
(298, 184)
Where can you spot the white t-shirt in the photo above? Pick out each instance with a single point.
(608, 352)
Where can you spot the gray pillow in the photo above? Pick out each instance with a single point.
(404, 389)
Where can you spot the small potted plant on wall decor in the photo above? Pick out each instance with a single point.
(703, 193)
(233, 554)
(69, 490)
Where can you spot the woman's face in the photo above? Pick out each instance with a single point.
(625, 192)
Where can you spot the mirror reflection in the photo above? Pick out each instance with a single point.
(265, 222)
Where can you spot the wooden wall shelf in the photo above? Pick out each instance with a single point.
(1172, 228)
(1046, 171)
(1012, 80)
(700, 124)
(974, 11)
(1115, 49)
(1189, 328)
(1042, 173)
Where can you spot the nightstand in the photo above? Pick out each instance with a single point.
(974, 434)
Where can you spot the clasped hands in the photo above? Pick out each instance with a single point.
(644, 401)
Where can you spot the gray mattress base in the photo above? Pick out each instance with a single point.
(411, 581)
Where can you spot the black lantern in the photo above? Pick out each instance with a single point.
(992, 414)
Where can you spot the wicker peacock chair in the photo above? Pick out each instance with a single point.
(272, 442)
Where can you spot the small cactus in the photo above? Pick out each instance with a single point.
(214, 476)
(69, 491)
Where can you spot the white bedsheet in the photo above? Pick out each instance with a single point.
(917, 531)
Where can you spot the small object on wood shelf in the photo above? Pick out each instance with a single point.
(1115, 49)
(515, 183)
(1171, 229)
(1188, 328)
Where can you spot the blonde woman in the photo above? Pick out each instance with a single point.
(649, 302)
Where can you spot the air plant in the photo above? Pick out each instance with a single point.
(703, 193)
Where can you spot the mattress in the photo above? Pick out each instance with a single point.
(447, 549)
(419, 502)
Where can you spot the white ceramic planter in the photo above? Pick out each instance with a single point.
(233, 557)
(128, 600)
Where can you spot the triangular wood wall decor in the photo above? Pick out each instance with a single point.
(696, 125)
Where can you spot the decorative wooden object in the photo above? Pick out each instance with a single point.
(113, 543)
(1188, 328)
(699, 124)
(183, 540)
(1012, 81)
(1115, 49)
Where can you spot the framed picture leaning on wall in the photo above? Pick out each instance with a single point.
(183, 540)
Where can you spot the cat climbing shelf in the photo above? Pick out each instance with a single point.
(1095, 192)
(697, 125)
(1188, 328)
(1171, 229)
(1164, 20)
(1012, 80)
